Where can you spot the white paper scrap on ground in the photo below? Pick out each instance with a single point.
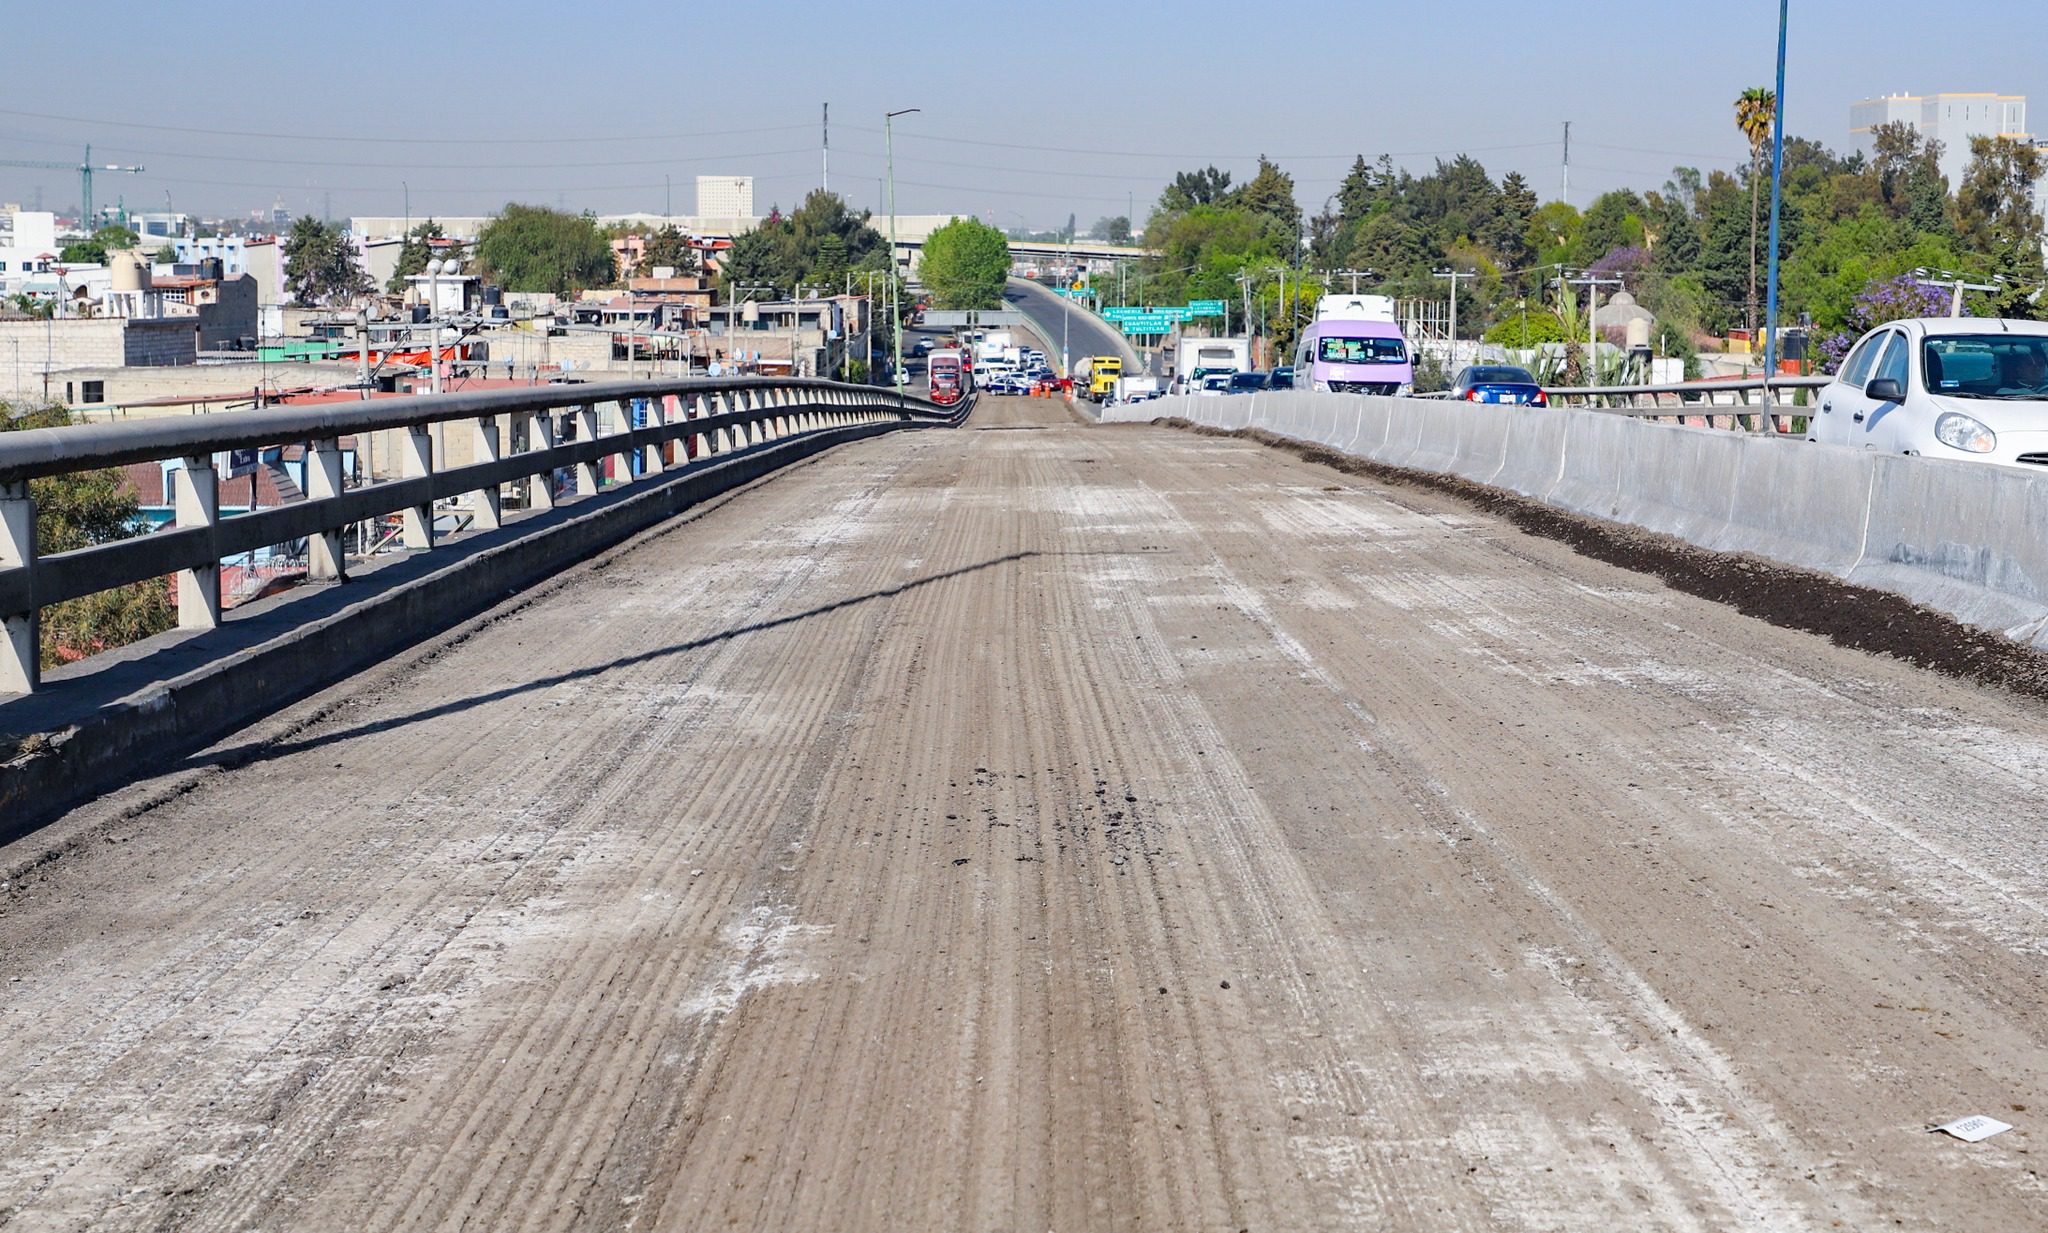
(1973, 1129)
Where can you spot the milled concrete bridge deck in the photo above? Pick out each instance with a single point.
(1043, 826)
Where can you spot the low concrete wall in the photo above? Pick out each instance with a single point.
(1967, 539)
(170, 695)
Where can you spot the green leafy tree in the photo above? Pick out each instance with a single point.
(1997, 219)
(819, 242)
(1523, 327)
(1195, 188)
(94, 249)
(1510, 238)
(1270, 194)
(320, 265)
(166, 255)
(667, 247)
(1114, 230)
(414, 254)
(1614, 220)
(965, 264)
(77, 511)
(1553, 233)
(534, 248)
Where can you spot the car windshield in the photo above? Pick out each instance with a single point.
(2005, 366)
(1248, 380)
(1502, 376)
(1362, 351)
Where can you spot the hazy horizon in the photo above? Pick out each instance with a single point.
(1023, 120)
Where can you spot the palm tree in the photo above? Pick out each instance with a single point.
(1754, 112)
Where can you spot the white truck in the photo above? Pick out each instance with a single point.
(997, 345)
(1195, 358)
(1136, 389)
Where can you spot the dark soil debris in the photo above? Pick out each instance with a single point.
(1860, 618)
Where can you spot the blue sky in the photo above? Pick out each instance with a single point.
(1043, 110)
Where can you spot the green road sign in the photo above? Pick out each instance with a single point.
(1205, 308)
(1119, 314)
(1150, 323)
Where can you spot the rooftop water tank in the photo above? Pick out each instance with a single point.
(127, 271)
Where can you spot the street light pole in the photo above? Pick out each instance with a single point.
(895, 311)
(1777, 197)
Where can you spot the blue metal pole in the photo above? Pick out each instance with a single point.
(1777, 200)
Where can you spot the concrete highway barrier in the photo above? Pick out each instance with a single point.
(1962, 538)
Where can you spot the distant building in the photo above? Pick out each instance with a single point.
(228, 249)
(29, 247)
(1951, 119)
(725, 196)
(158, 228)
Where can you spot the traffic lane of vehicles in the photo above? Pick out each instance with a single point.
(1969, 389)
(1084, 332)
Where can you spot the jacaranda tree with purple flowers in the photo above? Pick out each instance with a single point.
(1882, 300)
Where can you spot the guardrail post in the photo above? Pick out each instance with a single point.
(198, 505)
(540, 435)
(325, 560)
(490, 503)
(651, 460)
(21, 648)
(589, 475)
(702, 439)
(416, 461)
(622, 462)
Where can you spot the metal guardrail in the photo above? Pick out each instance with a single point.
(1750, 404)
(715, 418)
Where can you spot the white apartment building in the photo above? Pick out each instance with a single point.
(1951, 119)
(725, 196)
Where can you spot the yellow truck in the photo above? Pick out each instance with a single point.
(1103, 371)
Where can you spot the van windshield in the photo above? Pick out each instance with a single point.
(1362, 351)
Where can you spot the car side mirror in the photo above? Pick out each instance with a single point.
(1885, 389)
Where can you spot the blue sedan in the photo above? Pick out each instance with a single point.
(1498, 383)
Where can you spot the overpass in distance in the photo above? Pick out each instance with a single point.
(854, 816)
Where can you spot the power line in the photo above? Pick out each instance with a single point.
(411, 140)
(439, 166)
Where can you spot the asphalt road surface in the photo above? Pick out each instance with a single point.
(1085, 333)
(1042, 826)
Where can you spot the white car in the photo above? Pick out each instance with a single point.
(1972, 388)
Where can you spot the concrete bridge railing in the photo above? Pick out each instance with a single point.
(1962, 538)
(682, 424)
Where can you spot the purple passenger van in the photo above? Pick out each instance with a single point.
(1354, 347)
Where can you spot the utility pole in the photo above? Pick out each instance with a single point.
(363, 353)
(1454, 276)
(1592, 282)
(1567, 195)
(825, 181)
(1954, 284)
(896, 314)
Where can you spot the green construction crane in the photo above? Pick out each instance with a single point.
(85, 172)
